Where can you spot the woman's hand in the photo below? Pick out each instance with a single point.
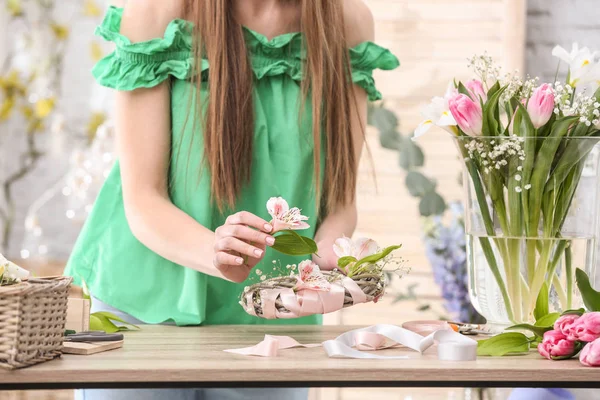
(240, 244)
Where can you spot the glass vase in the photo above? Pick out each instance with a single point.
(531, 216)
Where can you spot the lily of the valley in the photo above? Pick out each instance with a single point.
(467, 113)
(437, 113)
(285, 217)
(583, 66)
(358, 248)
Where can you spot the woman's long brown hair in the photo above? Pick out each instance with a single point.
(229, 115)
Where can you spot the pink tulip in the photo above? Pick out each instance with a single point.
(476, 90)
(285, 217)
(590, 355)
(586, 328)
(556, 346)
(564, 325)
(467, 113)
(541, 105)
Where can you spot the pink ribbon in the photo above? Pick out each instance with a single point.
(306, 301)
(360, 343)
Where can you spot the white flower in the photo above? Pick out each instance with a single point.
(438, 113)
(285, 217)
(11, 271)
(359, 248)
(583, 66)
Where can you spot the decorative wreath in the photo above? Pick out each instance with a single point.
(359, 278)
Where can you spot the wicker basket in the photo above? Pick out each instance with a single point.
(32, 321)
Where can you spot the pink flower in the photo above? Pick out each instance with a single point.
(541, 105)
(556, 346)
(359, 248)
(590, 355)
(310, 277)
(586, 328)
(285, 217)
(476, 90)
(467, 113)
(564, 325)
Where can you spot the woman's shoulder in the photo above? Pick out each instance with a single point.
(359, 22)
(147, 19)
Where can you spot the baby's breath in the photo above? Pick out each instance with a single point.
(484, 67)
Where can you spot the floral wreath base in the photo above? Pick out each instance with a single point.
(283, 297)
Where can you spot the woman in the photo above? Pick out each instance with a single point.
(214, 118)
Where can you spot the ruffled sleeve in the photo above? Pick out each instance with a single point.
(143, 64)
(364, 59)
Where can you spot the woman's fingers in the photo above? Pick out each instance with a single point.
(249, 219)
(247, 234)
(230, 243)
(222, 258)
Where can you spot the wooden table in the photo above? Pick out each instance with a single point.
(164, 356)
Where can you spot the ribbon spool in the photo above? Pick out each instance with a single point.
(277, 298)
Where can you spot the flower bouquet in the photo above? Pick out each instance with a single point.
(358, 278)
(531, 181)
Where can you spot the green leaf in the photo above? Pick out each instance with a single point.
(493, 89)
(547, 320)
(411, 155)
(99, 323)
(290, 243)
(344, 261)
(112, 317)
(418, 184)
(591, 298)
(503, 344)
(463, 90)
(579, 312)
(541, 305)
(383, 119)
(491, 114)
(538, 331)
(373, 258)
(432, 204)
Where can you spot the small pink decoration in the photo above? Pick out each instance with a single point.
(586, 328)
(564, 325)
(541, 105)
(358, 248)
(467, 113)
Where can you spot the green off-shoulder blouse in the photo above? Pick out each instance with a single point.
(121, 271)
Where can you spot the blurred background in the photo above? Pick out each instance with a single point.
(56, 142)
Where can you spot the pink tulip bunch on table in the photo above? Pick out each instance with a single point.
(571, 333)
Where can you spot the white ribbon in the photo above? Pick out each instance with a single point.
(452, 346)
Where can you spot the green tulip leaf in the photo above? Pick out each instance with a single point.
(541, 305)
(103, 321)
(579, 311)
(504, 344)
(547, 320)
(290, 243)
(538, 331)
(591, 298)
